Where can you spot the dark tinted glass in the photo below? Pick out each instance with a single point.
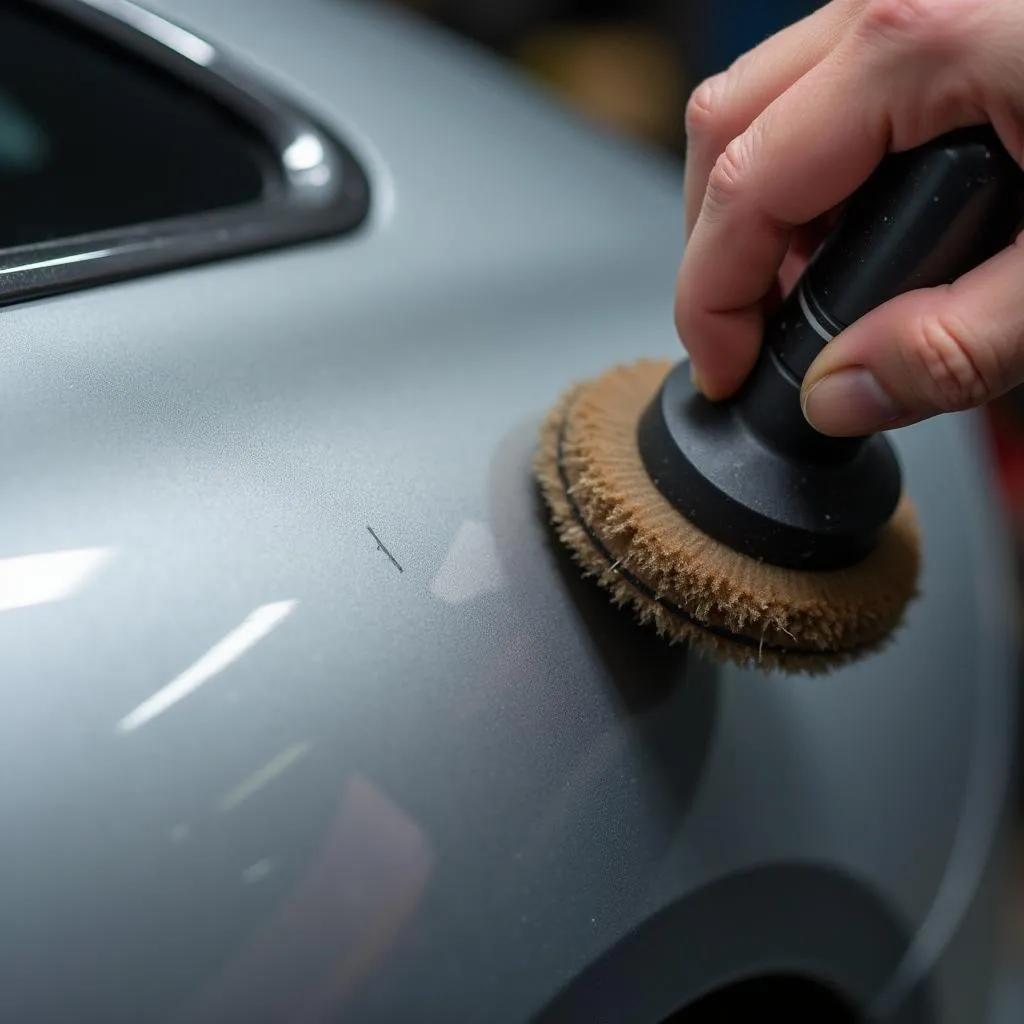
(91, 138)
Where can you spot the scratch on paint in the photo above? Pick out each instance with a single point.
(381, 547)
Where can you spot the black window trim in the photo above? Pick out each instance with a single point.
(323, 190)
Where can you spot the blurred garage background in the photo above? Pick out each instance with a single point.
(629, 67)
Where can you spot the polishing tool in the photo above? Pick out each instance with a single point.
(735, 525)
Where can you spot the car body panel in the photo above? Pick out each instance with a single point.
(261, 764)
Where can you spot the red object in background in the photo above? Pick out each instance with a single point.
(1006, 428)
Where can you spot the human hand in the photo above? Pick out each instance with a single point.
(779, 141)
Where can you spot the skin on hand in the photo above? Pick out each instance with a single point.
(779, 141)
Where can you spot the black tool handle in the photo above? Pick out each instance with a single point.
(924, 218)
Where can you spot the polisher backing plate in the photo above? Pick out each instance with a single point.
(690, 587)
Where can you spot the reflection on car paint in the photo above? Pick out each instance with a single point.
(337, 925)
(471, 567)
(255, 627)
(264, 775)
(54, 576)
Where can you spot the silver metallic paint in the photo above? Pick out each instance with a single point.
(413, 799)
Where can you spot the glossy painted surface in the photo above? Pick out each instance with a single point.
(255, 769)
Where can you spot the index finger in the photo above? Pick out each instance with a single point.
(803, 155)
(724, 106)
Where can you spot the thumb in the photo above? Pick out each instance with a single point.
(925, 352)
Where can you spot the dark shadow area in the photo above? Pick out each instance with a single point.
(668, 696)
(807, 931)
(670, 693)
(794, 999)
(645, 667)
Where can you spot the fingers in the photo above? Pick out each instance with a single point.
(724, 106)
(904, 71)
(923, 353)
(808, 151)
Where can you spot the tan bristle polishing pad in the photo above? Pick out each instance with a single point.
(622, 531)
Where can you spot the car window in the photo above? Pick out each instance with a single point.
(91, 138)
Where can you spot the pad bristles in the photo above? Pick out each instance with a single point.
(690, 587)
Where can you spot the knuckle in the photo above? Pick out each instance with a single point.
(704, 109)
(921, 24)
(729, 176)
(953, 372)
